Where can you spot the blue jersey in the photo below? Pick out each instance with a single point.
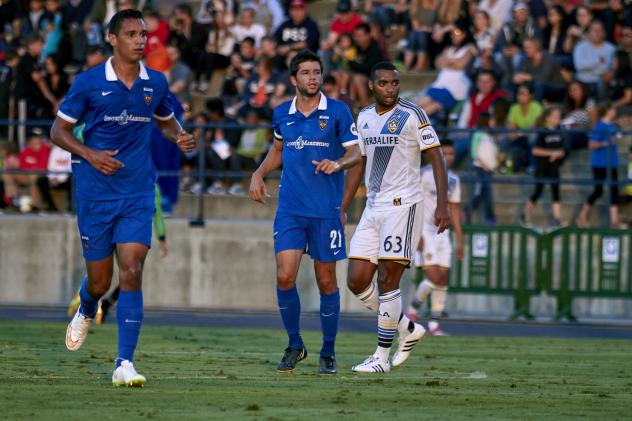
(602, 132)
(116, 118)
(324, 134)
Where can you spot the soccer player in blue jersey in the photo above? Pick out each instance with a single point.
(115, 179)
(315, 140)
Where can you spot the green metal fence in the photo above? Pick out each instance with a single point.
(500, 260)
(567, 263)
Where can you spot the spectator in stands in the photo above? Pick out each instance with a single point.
(627, 193)
(270, 13)
(484, 155)
(423, 15)
(260, 89)
(269, 49)
(542, 71)
(483, 35)
(452, 84)
(593, 60)
(369, 54)
(32, 21)
(450, 12)
(157, 31)
(86, 36)
(34, 157)
(219, 48)
(387, 13)
(190, 37)
(56, 82)
(604, 163)
(523, 115)
(7, 88)
(178, 75)
(579, 30)
(554, 36)
(298, 32)
(605, 10)
(513, 34)
(190, 160)
(621, 89)
(240, 68)
(102, 11)
(498, 10)
(209, 10)
(94, 56)
(549, 152)
(247, 27)
(482, 100)
(50, 28)
(224, 141)
(344, 22)
(34, 97)
(332, 90)
(578, 111)
(251, 150)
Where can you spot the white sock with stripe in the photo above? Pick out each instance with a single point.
(368, 297)
(388, 316)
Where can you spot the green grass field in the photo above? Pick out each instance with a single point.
(196, 373)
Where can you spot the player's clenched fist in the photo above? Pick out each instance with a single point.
(258, 191)
(185, 141)
(104, 162)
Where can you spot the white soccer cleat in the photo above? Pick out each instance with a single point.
(77, 331)
(405, 345)
(372, 365)
(126, 375)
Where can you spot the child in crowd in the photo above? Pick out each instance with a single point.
(604, 163)
(484, 155)
(549, 152)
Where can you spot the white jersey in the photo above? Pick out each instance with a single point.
(391, 143)
(429, 189)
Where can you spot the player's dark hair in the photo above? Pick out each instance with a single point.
(301, 57)
(447, 142)
(382, 65)
(117, 20)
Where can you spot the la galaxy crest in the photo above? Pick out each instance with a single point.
(323, 121)
(393, 125)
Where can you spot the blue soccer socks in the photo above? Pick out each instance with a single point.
(329, 315)
(89, 304)
(290, 309)
(129, 316)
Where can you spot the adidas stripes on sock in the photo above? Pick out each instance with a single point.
(388, 316)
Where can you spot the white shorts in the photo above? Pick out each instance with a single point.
(387, 234)
(437, 248)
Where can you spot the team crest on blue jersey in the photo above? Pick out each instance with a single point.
(148, 94)
(393, 124)
(323, 121)
(148, 98)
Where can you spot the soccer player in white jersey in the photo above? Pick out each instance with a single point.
(434, 254)
(392, 132)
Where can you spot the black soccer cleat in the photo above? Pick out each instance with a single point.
(290, 358)
(327, 365)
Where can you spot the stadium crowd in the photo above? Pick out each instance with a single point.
(497, 64)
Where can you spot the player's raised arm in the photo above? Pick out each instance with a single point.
(272, 161)
(103, 161)
(442, 216)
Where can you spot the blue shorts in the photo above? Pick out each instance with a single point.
(103, 224)
(442, 96)
(322, 238)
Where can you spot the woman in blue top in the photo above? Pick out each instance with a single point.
(603, 143)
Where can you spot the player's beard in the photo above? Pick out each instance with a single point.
(306, 92)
